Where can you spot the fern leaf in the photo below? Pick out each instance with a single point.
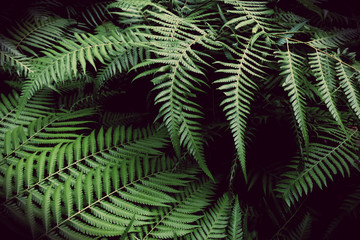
(62, 63)
(29, 211)
(294, 79)
(36, 34)
(56, 204)
(12, 60)
(351, 92)
(96, 13)
(254, 15)
(68, 198)
(303, 230)
(19, 177)
(181, 217)
(325, 76)
(323, 163)
(177, 77)
(135, 51)
(43, 131)
(78, 192)
(8, 181)
(105, 210)
(28, 173)
(213, 224)
(238, 89)
(333, 39)
(45, 206)
(235, 230)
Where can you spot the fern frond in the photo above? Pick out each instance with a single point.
(129, 13)
(303, 230)
(323, 70)
(333, 39)
(62, 62)
(47, 131)
(213, 225)
(191, 137)
(112, 208)
(239, 88)
(235, 229)
(12, 59)
(289, 17)
(293, 83)
(96, 14)
(123, 4)
(135, 50)
(181, 217)
(351, 204)
(251, 15)
(114, 146)
(29, 213)
(39, 106)
(174, 42)
(322, 163)
(345, 74)
(35, 34)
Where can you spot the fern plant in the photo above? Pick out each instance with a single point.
(178, 119)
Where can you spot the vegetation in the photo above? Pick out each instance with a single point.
(194, 119)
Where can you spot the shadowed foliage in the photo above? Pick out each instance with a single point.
(183, 119)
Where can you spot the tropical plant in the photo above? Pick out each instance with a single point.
(179, 119)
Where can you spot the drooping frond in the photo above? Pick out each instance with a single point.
(239, 88)
(351, 203)
(294, 78)
(80, 98)
(322, 163)
(290, 33)
(346, 76)
(323, 70)
(175, 41)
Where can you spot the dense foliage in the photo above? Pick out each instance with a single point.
(181, 119)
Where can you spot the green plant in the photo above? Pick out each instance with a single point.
(220, 74)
